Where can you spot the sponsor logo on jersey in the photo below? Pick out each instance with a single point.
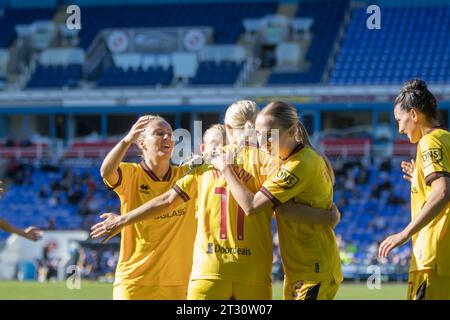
(144, 188)
(175, 213)
(432, 155)
(228, 250)
(285, 179)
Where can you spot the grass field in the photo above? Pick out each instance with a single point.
(13, 290)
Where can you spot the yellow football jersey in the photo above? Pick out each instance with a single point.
(229, 245)
(308, 252)
(156, 252)
(431, 245)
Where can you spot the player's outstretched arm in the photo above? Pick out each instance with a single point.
(301, 213)
(108, 170)
(30, 233)
(113, 223)
(438, 199)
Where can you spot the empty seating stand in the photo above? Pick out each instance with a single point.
(217, 73)
(328, 17)
(55, 76)
(412, 42)
(225, 18)
(14, 16)
(118, 77)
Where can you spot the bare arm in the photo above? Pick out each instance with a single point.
(250, 202)
(151, 209)
(30, 233)
(5, 225)
(301, 213)
(438, 199)
(113, 223)
(108, 170)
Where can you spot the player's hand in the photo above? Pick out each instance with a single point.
(408, 169)
(137, 129)
(196, 160)
(33, 233)
(390, 243)
(336, 216)
(220, 160)
(109, 227)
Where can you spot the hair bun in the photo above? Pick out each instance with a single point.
(415, 85)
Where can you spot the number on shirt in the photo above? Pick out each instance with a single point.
(222, 191)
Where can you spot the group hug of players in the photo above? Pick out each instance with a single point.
(203, 231)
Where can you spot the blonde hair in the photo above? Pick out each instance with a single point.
(242, 114)
(285, 116)
(152, 119)
(220, 128)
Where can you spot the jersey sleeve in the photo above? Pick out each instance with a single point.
(285, 184)
(435, 159)
(126, 173)
(186, 187)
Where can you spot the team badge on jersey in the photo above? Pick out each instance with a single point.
(296, 293)
(285, 179)
(432, 155)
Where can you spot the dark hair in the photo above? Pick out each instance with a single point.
(415, 95)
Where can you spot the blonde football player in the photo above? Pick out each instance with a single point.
(309, 251)
(156, 254)
(233, 253)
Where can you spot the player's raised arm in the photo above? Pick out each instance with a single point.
(30, 233)
(109, 167)
(250, 202)
(113, 224)
(253, 203)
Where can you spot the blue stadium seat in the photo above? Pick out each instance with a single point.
(328, 17)
(412, 42)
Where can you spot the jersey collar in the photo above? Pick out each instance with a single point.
(439, 127)
(153, 176)
(296, 149)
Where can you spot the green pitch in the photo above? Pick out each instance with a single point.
(13, 290)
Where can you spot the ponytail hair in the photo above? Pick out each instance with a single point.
(242, 115)
(415, 95)
(285, 116)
